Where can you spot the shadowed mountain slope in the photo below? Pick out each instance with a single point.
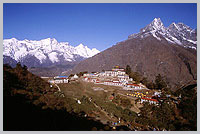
(148, 56)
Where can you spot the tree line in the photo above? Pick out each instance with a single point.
(159, 83)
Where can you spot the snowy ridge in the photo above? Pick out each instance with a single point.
(179, 33)
(46, 49)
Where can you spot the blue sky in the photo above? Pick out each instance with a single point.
(95, 25)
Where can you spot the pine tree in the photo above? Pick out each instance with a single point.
(136, 76)
(128, 70)
(160, 83)
(18, 66)
(144, 81)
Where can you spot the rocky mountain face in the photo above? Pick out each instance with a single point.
(44, 53)
(155, 50)
(180, 33)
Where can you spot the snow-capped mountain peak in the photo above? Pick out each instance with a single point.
(173, 26)
(49, 41)
(179, 33)
(45, 51)
(85, 51)
(80, 45)
(155, 25)
(14, 39)
(94, 50)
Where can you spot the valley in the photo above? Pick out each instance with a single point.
(114, 106)
(106, 105)
(111, 97)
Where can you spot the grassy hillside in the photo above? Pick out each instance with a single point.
(95, 101)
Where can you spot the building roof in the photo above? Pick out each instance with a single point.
(62, 76)
(134, 84)
(108, 70)
(107, 81)
(116, 82)
(75, 76)
(149, 99)
(149, 96)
